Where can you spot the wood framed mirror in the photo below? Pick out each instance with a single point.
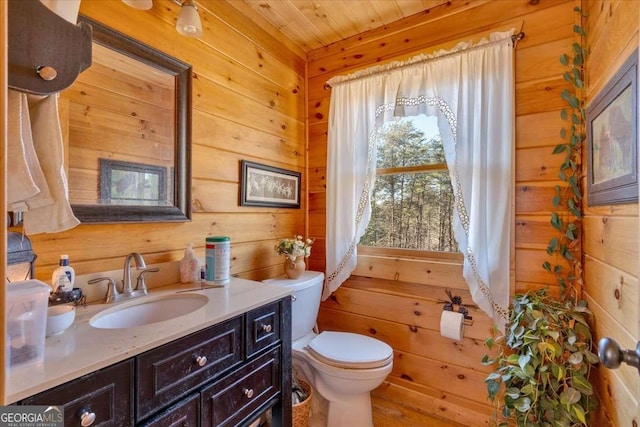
(132, 106)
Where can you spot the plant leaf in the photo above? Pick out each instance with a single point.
(493, 387)
(573, 101)
(575, 358)
(560, 148)
(570, 396)
(523, 360)
(557, 371)
(523, 404)
(591, 357)
(579, 411)
(556, 221)
(563, 114)
(579, 382)
(492, 377)
(513, 392)
(564, 59)
(575, 119)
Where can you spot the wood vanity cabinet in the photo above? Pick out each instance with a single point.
(184, 413)
(170, 371)
(224, 375)
(106, 395)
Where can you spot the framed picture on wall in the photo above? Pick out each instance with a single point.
(262, 185)
(612, 134)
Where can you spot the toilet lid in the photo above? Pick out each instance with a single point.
(348, 350)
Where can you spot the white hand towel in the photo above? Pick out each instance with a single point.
(67, 9)
(27, 185)
(47, 140)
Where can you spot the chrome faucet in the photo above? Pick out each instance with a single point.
(141, 287)
(127, 288)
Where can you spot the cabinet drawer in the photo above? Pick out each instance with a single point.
(106, 393)
(263, 327)
(185, 413)
(233, 399)
(169, 372)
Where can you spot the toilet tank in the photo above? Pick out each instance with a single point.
(306, 302)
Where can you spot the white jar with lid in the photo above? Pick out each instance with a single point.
(218, 260)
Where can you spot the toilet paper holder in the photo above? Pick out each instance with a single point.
(455, 304)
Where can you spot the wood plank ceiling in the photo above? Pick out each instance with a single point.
(312, 24)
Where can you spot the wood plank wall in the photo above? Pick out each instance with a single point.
(432, 374)
(3, 173)
(248, 103)
(611, 232)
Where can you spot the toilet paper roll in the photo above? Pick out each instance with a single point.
(451, 325)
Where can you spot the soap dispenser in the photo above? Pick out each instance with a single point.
(63, 277)
(189, 271)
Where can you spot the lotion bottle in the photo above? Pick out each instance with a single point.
(63, 277)
(189, 271)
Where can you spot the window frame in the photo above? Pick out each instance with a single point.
(411, 253)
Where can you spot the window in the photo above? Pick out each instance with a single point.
(412, 201)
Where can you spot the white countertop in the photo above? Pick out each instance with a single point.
(82, 349)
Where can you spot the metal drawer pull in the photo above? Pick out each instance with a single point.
(86, 418)
(248, 392)
(201, 360)
(266, 328)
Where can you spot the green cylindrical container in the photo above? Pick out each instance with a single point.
(218, 259)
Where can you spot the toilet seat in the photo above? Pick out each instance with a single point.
(350, 351)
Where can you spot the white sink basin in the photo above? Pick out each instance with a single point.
(148, 310)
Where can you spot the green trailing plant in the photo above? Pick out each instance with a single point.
(543, 360)
(567, 201)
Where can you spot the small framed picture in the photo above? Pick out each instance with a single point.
(129, 183)
(612, 134)
(263, 185)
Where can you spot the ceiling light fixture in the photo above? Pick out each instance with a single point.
(139, 4)
(189, 23)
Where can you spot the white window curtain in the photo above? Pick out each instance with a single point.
(470, 90)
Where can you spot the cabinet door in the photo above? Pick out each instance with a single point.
(263, 327)
(167, 373)
(185, 413)
(106, 394)
(243, 394)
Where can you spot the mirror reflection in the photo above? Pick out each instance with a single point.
(128, 133)
(120, 110)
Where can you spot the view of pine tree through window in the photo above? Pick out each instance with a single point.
(412, 201)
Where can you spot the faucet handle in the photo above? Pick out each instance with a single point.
(112, 290)
(140, 283)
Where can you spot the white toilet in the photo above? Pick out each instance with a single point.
(342, 367)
